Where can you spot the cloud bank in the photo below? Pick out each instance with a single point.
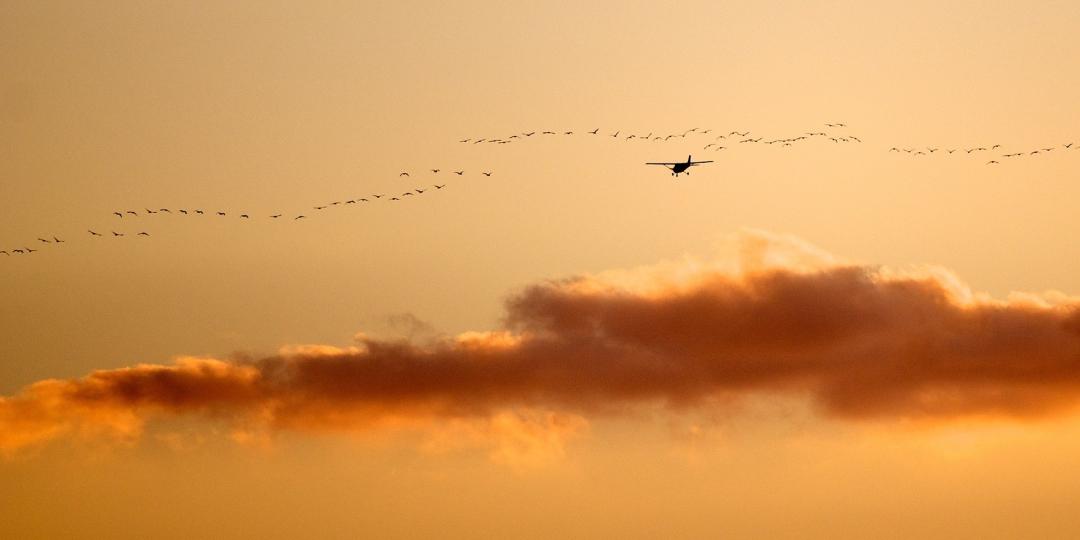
(857, 341)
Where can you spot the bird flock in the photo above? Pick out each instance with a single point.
(714, 140)
(992, 151)
(128, 218)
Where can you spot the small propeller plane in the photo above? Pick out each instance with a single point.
(677, 168)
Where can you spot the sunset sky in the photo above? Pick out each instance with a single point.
(821, 340)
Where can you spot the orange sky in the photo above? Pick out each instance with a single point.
(577, 345)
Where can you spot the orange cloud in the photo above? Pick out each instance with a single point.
(858, 341)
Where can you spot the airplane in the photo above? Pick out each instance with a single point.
(677, 168)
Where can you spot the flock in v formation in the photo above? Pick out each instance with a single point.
(713, 141)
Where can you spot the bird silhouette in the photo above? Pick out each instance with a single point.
(114, 233)
(403, 173)
(299, 217)
(149, 211)
(198, 211)
(182, 211)
(459, 173)
(5, 253)
(92, 232)
(991, 162)
(132, 212)
(43, 240)
(437, 186)
(28, 250)
(221, 213)
(17, 251)
(377, 196)
(418, 190)
(57, 240)
(486, 174)
(275, 216)
(595, 131)
(144, 233)
(436, 171)
(166, 210)
(244, 216)
(394, 199)
(118, 214)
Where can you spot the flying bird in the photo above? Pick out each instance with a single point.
(437, 186)
(486, 174)
(593, 132)
(275, 216)
(114, 233)
(403, 173)
(57, 240)
(92, 232)
(245, 216)
(132, 212)
(459, 173)
(43, 240)
(298, 217)
(436, 171)
(144, 233)
(221, 213)
(118, 214)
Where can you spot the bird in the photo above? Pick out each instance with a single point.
(28, 250)
(594, 132)
(616, 134)
(57, 240)
(182, 211)
(894, 149)
(221, 213)
(118, 214)
(43, 240)
(5, 253)
(568, 133)
(144, 233)
(335, 203)
(245, 216)
(464, 140)
(991, 162)
(1068, 145)
(275, 216)
(92, 233)
(394, 199)
(418, 190)
(403, 173)
(149, 211)
(363, 200)
(436, 171)
(299, 217)
(17, 251)
(132, 212)
(320, 208)
(350, 201)
(437, 186)
(486, 174)
(198, 211)
(529, 134)
(406, 193)
(377, 196)
(459, 173)
(114, 233)
(166, 210)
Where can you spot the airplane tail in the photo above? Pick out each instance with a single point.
(690, 158)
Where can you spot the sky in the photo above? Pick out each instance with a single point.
(824, 339)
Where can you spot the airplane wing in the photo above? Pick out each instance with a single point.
(699, 162)
(664, 164)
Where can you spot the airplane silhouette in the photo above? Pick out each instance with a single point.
(677, 168)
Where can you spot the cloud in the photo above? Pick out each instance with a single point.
(858, 341)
